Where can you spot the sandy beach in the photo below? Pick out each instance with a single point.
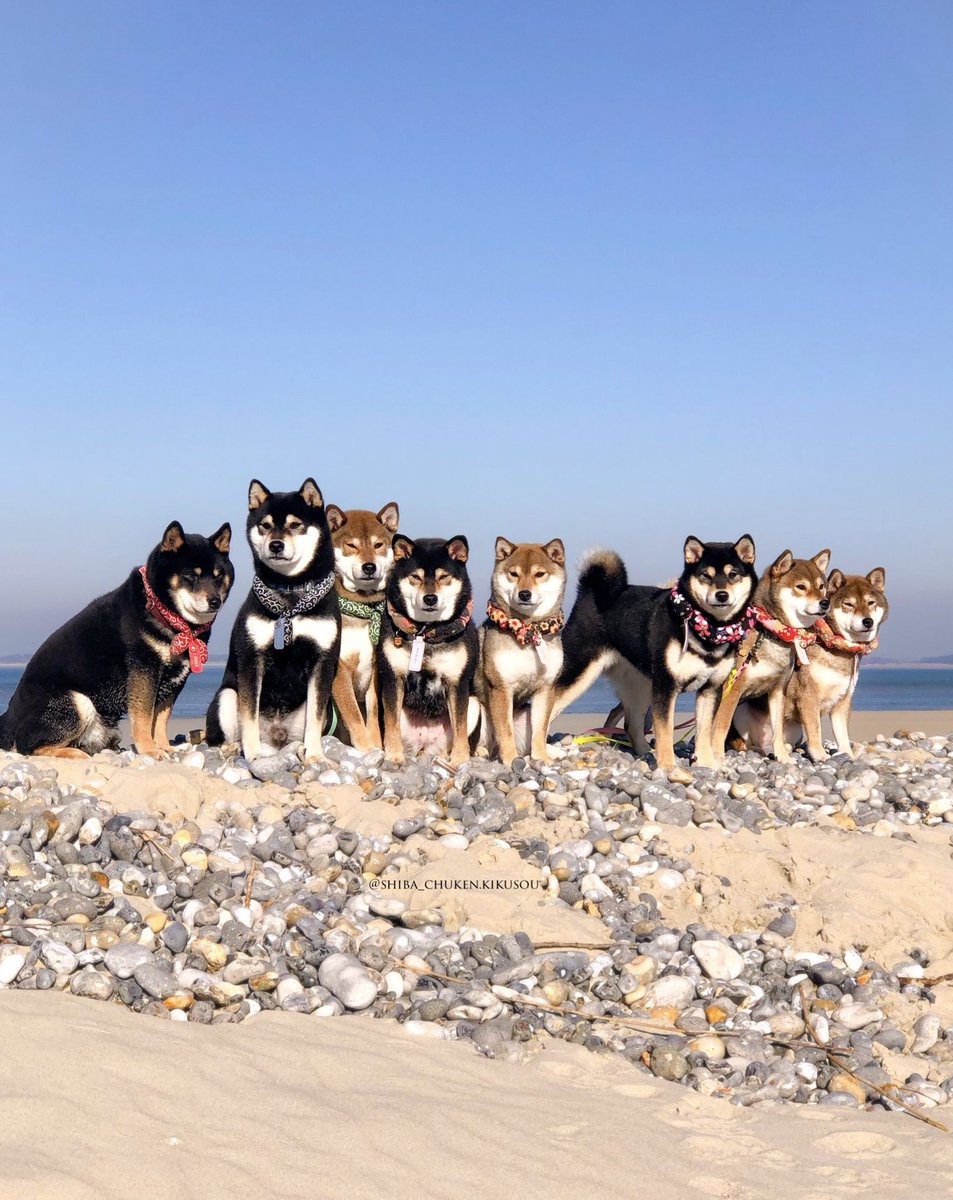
(304, 1101)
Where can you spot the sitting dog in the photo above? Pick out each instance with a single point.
(520, 648)
(825, 686)
(788, 600)
(130, 650)
(428, 650)
(283, 652)
(655, 642)
(363, 558)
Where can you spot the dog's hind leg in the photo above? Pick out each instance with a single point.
(500, 705)
(540, 715)
(59, 752)
(458, 705)
(663, 722)
(635, 692)
(61, 728)
(705, 703)
(840, 715)
(776, 712)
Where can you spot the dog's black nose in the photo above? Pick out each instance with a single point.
(825, 605)
(722, 597)
(369, 569)
(214, 602)
(868, 622)
(525, 595)
(430, 600)
(276, 547)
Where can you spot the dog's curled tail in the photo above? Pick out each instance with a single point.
(602, 576)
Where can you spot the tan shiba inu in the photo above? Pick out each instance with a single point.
(521, 649)
(790, 597)
(363, 558)
(825, 687)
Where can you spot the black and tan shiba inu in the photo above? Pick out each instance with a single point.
(520, 645)
(790, 597)
(825, 685)
(428, 650)
(128, 651)
(284, 646)
(655, 643)
(363, 558)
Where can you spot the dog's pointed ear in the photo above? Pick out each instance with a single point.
(173, 538)
(311, 493)
(403, 547)
(744, 547)
(459, 548)
(504, 548)
(822, 560)
(835, 580)
(556, 551)
(337, 517)
(389, 516)
(782, 564)
(877, 578)
(221, 539)
(257, 494)
(694, 549)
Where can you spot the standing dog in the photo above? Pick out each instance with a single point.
(825, 686)
(521, 650)
(428, 650)
(655, 643)
(787, 602)
(130, 650)
(284, 646)
(363, 558)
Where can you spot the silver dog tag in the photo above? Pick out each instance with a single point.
(801, 654)
(416, 654)
(280, 634)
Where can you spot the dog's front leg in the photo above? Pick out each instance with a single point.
(142, 714)
(540, 716)
(705, 703)
(663, 721)
(776, 713)
(162, 727)
(500, 706)
(809, 715)
(840, 715)
(458, 704)
(342, 692)
(249, 702)
(372, 708)
(392, 697)
(316, 705)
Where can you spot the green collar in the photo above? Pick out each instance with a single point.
(371, 613)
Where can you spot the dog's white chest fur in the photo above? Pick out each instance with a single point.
(691, 671)
(831, 685)
(522, 666)
(447, 660)
(357, 652)
(321, 630)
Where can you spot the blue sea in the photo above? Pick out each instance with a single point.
(877, 689)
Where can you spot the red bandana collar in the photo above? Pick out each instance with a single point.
(185, 638)
(531, 632)
(436, 631)
(787, 633)
(834, 641)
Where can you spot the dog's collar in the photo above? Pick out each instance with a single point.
(787, 633)
(834, 641)
(704, 629)
(282, 603)
(371, 613)
(437, 631)
(531, 632)
(185, 634)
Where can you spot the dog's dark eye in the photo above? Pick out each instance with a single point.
(539, 575)
(378, 546)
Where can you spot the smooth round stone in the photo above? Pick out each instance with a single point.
(11, 966)
(59, 958)
(856, 1016)
(92, 984)
(175, 937)
(671, 991)
(454, 841)
(386, 906)
(668, 1063)
(849, 1086)
(427, 1029)
(708, 1044)
(926, 1031)
(349, 980)
(123, 958)
(156, 981)
(718, 960)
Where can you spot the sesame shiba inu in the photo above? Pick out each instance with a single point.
(283, 652)
(825, 686)
(363, 558)
(521, 650)
(130, 650)
(428, 650)
(788, 600)
(655, 643)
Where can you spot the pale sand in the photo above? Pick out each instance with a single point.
(287, 1106)
(103, 1104)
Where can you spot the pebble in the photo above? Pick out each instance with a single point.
(347, 978)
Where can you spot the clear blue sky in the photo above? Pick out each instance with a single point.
(617, 273)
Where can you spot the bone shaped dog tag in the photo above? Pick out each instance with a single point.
(416, 654)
